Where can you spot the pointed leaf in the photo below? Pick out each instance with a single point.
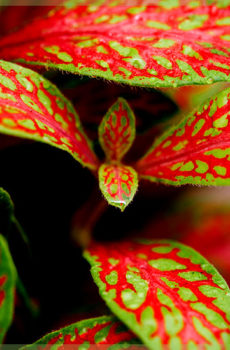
(164, 292)
(7, 288)
(117, 130)
(31, 107)
(105, 330)
(169, 44)
(118, 184)
(196, 151)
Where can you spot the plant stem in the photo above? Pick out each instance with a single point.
(22, 233)
(33, 309)
(86, 218)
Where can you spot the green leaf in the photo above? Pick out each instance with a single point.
(31, 107)
(105, 330)
(164, 291)
(196, 150)
(7, 288)
(117, 130)
(118, 184)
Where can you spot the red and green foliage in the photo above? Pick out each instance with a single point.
(167, 294)
(196, 150)
(31, 107)
(7, 288)
(102, 331)
(165, 44)
(117, 131)
(118, 183)
(164, 292)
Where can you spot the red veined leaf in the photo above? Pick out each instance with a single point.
(105, 330)
(164, 292)
(31, 107)
(138, 43)
(196, 151)
(7, 288)
(118, 184)
(117, 130)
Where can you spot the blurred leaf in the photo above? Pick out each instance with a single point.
(105, 330)
(7, 288)
(6, 209)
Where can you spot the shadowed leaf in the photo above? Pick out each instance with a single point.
(164, 292)
(171, 43)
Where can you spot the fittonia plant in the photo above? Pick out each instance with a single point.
(164, 292)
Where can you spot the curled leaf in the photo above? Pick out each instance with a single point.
(165, 292)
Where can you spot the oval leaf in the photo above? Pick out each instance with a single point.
(7, 288)
(196, 151)
(164, 292)
(31, 107)
(117, 130)
(169, 44)
(118, 184)
(105, 330)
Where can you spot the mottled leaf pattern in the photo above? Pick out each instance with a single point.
(102, 332)
(31, 107)
(171, 43)
(164, 292)
(196, 151)
(118, 184)
(117, 130)
(7, 288)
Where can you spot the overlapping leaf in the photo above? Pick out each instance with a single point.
(166, 44)
(118, 184)
(164, 292)
(7, 288)
(32, 107)
(102, 331)
(196, 151)
(117, 130)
